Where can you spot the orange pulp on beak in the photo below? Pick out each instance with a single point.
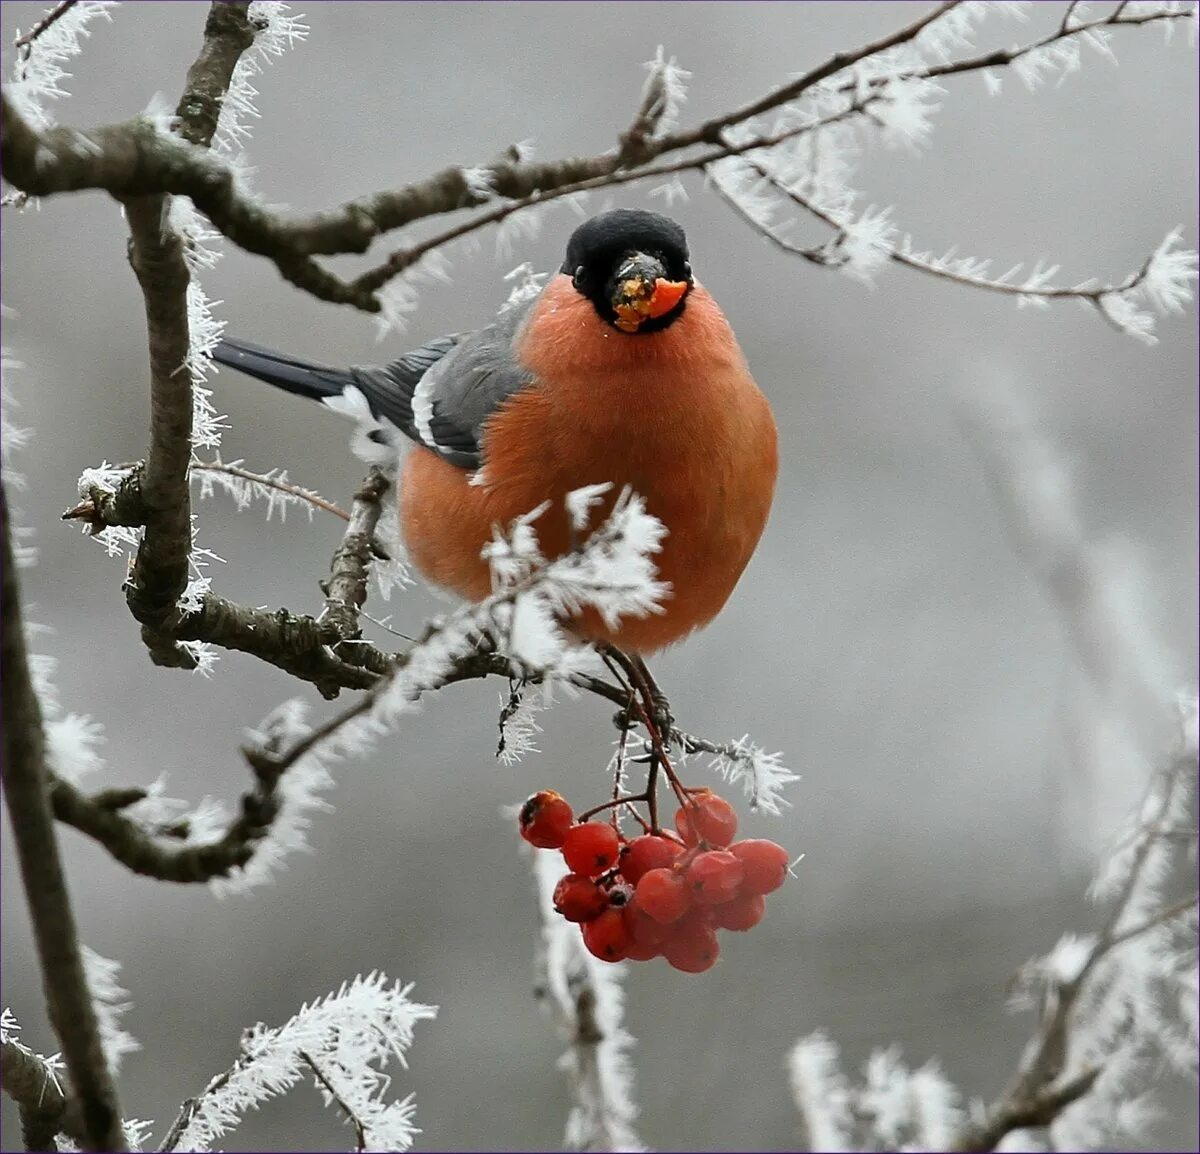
(667, 294)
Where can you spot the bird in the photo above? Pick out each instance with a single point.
(622, 370)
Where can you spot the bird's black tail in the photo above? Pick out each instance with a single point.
(304, 378)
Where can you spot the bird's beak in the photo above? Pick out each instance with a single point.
(642, 292)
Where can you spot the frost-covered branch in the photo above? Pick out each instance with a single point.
(244, 486)
(345, 1041)
(160, 570)
(1115, 1008)
(25, 41)
(887, 84)
(1099, 996)
(585, 998)
(513, 634)
(36, 1084)
(24, 779)
(761, 774)
(346, 588)
(862, 243)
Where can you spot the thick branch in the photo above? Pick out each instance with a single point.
(139, 851)
(160, 570)
(24, 780)
(46, 1110)
(131, 158)
(1025, 1113)
(346, 589)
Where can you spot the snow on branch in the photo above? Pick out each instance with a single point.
(42, 54)
(894, 1108)
(610, 572)
(274, 487)
(108, 997)
(807, 127)
(1116, 1008)
(865, 241)
(585, 998)
(761, 774)
(344, 1042)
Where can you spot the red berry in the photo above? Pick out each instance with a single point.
(764, 865)
(579, 899)
(712, 818)
(643, 929)
(639, 953)
(683, 823)
(663, 895)
(591, 848)
(742, 913)
(545, 819)
(607, 937)
(645, 853)
(693, 947)
(714, 877)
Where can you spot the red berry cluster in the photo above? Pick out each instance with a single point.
(661, 894)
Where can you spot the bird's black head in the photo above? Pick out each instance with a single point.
(633, 266)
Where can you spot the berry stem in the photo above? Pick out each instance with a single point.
(615, 803)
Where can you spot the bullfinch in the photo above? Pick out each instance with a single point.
(624, 370)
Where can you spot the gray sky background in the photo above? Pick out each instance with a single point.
(886, 637)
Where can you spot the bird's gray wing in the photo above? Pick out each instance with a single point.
(442, 394)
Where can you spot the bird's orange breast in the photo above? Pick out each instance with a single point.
(674, 414)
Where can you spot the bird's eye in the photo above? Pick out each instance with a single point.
(580, 277)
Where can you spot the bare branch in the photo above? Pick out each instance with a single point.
(24, 780)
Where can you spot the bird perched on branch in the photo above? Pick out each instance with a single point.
(623, 370)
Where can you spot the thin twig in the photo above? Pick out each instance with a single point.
(25, 42)
(1089, 293)
(360, 1133)
(1161, 918)
(24, 781)
(267, 481)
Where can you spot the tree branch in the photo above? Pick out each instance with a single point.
(25, 42)
(360, 1134)
(1020, 1114)
(46, 1108)
(346, 589)
(133, 158)
(1037, 1093)
(25, 792)
(160, 569)
(272, 480)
